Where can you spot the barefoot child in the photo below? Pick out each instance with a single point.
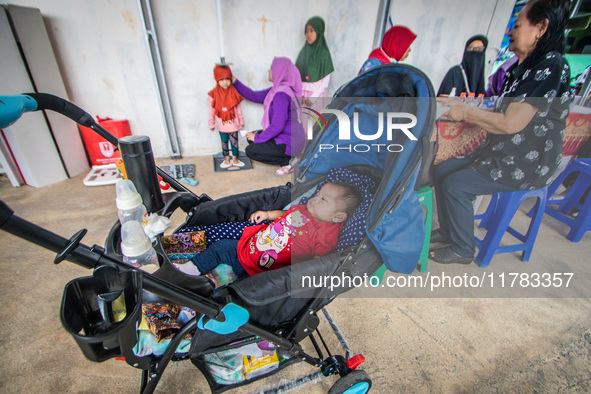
(225, 112)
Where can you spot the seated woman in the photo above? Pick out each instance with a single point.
(395, 48)
(283, 134)
(526, 128)
(467, 76)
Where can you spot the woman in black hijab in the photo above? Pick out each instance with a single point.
(469, 75)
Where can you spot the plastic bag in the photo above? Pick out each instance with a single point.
(238, 364)
(222, 275)
(155, 224)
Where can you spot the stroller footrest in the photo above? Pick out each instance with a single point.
(235, 317)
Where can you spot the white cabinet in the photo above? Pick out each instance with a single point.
(45, 145)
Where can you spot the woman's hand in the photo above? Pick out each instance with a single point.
(307, 101)
(233, 79)
(259, 216)
(515, 118)
(250, 136)
(458, 111)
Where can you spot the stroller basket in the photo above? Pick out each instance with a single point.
(102, 311)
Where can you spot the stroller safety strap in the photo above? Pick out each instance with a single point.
(235, 317)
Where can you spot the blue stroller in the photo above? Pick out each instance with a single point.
(271, 307)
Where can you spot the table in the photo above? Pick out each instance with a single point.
(461, 138)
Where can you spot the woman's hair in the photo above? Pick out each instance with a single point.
(554, 39)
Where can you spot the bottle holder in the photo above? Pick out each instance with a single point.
(102, 312)
(198, 284)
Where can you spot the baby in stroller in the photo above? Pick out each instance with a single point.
(315, 226)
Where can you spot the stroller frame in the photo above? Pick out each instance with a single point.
(221, 314)
(93, 257)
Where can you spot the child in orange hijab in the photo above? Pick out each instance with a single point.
(225, 112)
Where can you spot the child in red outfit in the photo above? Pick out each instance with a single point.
(225, 113)
(315, 226)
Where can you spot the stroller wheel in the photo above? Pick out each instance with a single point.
(355, 382)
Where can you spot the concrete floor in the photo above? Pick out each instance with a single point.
(413, 341)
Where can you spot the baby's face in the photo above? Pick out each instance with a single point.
(326, 205)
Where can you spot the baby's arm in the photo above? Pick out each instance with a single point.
(259, 216)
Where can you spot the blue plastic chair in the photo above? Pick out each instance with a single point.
(581, 223)
(497, 218)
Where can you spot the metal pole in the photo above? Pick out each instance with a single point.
(382, 22)
(172, 142)
(222, 57)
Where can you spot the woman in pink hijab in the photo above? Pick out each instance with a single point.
(282, 135)
(395, 48)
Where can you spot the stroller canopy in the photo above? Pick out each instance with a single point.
(382, 96)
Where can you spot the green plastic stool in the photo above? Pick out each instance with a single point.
(426, 199)
(425, 195)
(380, 273)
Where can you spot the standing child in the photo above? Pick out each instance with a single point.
(395, 48)
(225, 112)
(315, 64)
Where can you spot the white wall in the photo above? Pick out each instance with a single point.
(102, 54)
(254, 32)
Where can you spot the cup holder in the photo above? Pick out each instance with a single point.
(102, 311)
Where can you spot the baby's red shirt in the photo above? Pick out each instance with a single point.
(270, 246)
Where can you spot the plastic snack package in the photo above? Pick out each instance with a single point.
(255, 366)
(184, 245)
(162, 319)
(222, 275)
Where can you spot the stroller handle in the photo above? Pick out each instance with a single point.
(81, 255)
(12, 108)
(66, 108)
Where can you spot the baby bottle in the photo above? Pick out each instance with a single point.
(136, 247)
(129, 202)
(480, 100)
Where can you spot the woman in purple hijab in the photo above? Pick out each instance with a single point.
(282, 135)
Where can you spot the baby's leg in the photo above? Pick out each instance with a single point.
(221, 252)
